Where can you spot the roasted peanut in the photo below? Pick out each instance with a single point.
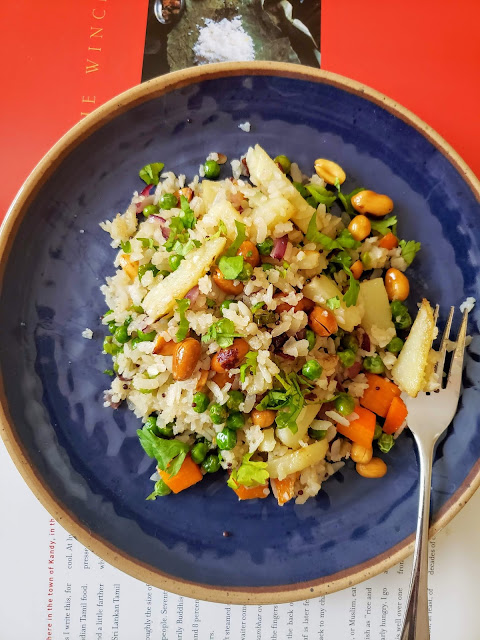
(357, 269)
(376, 468)
(185, 358)
(221, 378)
(186, 192)
(130, 267)
(360, 454)
(222, 158)
(397, 285)
(162, 347)
(202, 380)
(305, 304)
(227, 286)
(263, 419)
(249, 253)
(230, 357)
(389, 241)
(330, 171)
(376, 204)
(323, 322)
(360, 226)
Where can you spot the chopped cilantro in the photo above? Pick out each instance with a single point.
(210, 303)
(321, 195)
(314, 235)
(346, 199)
(187, 217)
(343, 258)
(288, 402)
(256, 307)
(109, 372)
(183, 325)
(384, 226)
(234, 247)
(169, 454)
(249, 474)
(177, 233)
(351, 295)
(230, 266)
(333, 303)
(182, 248)
(151, 172)
(302, 190)
(249, 366)
(347, 241)
(148, 243)
(223, 332)
(409, 248)
(126, 246)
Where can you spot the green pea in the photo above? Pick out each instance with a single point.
(284, 162)
(235, 420)
(161, 488)
(350, 342)
(200, 402)
(400, 316)
(235, 398)
(317, 434)
(344, 404)
(378, 431)
(385, 442)
(112, 326)
(174, 261)
(151, 424)
(168, 201)
(211, 464)
(395, 345)
(246, 272)
(199, 452)
(121, 335)
(312, 370)
(146, 337)
(110, 347)
(347, 357)
(211, 169)
(373, 364)
(164, 273)
(366, 260)
(226, 439)
(218, 413)
(265, 247)
(311, 337)
(166, 431)
(150, 209)
(225, 304)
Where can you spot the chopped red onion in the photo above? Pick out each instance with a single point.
(279, 248)
(192, 295)
(155, 218)
(166, 232)
(107, 396)
(147, 198)
(366, 346)
(285, 355)
(354, 370)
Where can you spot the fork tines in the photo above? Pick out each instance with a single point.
(455, 373)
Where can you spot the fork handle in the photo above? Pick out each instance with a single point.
(415, 624)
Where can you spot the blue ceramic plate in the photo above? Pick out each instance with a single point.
(84, 462)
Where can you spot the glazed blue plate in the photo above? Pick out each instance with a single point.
(84, 461)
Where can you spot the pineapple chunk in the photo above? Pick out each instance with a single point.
(304, 420)
(225, 211)
(297, 460)
(322, 288)
(377, 315)
(409, 370)
(265, 174)
(160, 300)
(271, 212)
(209, 192)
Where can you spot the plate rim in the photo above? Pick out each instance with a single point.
(98, 545)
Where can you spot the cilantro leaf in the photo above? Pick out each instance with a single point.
(148, 243)
(183, 325)
(182, 248)
(249, 364)
(333, 303)
(169, 454)
(249, 474)
(409, 248)
(187, 217)
(346, 199)
(230, 266)
(343, 258)
(223, 332)
(351, 295)
(256, 307)
(177, 233)
(347, 241)
(321, 195)
(241, 228)
(314, 235)
(126, 246)
(383, 226)
(151, 172)
(302, 190)
(289, 412)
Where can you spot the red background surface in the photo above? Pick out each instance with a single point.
(423, 53)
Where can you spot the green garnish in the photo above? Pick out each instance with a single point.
(249, 474)
(109, 372)
(160, 489)
(187, 217)
(249, 366)
(241, 234)
(230, 266)
(183, 325)
(151, 172)
(383, 226)
(223, 332)
(182, 248)
(333, 303)
(210, 303)
(346, 199)
(126, 246)
(385, 442)
(148, 243)
(142, 270)
(351, 295)
(169, 454)
(321, 195)
(409, 248)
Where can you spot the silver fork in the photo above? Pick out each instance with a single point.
(429, 414)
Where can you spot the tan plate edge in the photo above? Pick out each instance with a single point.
(131, 97)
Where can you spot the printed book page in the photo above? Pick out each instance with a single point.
(53, 588)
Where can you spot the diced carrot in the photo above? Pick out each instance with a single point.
(357, 269)
(188, 475)
(395, 416)
(129, 266)
(202, 380)
(389, 241)
(379, 395)
(284, 490)
(248, 493)
(360, 430)
(162, 347)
